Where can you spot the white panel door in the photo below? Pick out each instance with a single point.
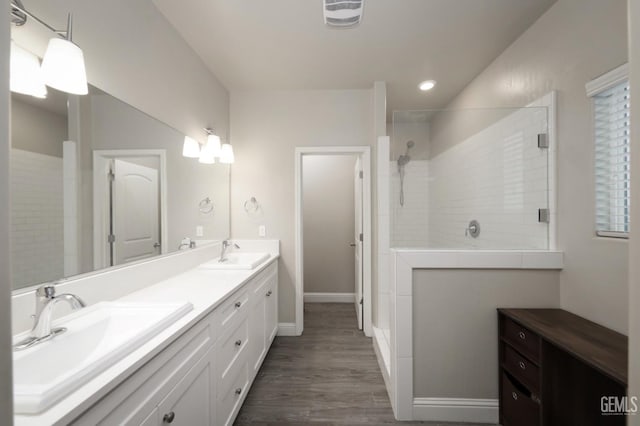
(358, 240)
(136, 212)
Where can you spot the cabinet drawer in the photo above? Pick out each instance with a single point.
(231, 396)
(521, 338)
(518, 409)
(233, 309)
(522, 369)
(231, 346)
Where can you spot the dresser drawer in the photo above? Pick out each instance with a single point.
(521, 338)
(235, 308)
(522, 369)
(231, 345)
(518, 409)
(232, 393)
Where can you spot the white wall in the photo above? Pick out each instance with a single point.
(37, 129)
(266, 128)
(573, 42)
(634, 246)
(6, 387)
(37, 225)
(455, 351)
(328, 219)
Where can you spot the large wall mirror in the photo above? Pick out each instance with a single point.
(97, 183)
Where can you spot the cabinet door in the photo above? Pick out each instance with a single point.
(152, 420)
(271, 311)
(257, 347)
(191, 402)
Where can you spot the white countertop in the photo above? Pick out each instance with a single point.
(205, 289)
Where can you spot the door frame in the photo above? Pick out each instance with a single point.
(364, 152)
(101, 159)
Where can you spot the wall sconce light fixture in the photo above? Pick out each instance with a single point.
(211, 148)
(207, 153)
(63, 65)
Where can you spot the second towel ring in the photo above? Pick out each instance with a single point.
(205, 206)
(251, 205)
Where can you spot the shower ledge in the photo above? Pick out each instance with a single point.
(480, 259)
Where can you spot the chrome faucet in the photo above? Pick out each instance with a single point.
(46, 300)
(225, 245)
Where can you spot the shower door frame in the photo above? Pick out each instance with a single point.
(364, 152)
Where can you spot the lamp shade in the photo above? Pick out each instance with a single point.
(63, 67)
(213, 143)
(26, 76)
(190, 148)
(207, 156)
(226, 154)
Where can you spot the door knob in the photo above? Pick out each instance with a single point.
(352, 244)
(168, 418)
(156, 245)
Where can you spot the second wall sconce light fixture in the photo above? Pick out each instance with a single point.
(209, 151)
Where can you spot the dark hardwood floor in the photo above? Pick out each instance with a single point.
(329, 375)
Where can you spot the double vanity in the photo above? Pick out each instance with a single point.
(184, 350)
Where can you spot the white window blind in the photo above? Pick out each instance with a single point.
(612, 161)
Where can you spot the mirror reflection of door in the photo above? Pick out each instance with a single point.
(129, 205)
(135, 211)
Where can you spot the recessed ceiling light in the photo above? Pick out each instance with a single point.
(427, 85)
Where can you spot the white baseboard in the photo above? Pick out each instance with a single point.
(287, 329)
(456, 410)
(329, 297)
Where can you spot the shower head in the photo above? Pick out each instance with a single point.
(410, 145)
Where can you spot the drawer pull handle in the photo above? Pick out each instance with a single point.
(238, 342)
(238, 304)
(269, 293)
(238, 391)
(514, 395)
(522, 335)
(169, 417)
(522, 365)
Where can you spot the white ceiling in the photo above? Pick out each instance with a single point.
(284, 44)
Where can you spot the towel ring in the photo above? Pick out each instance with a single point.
(205, 206)
(251, 205)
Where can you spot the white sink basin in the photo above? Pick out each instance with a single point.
(96, 338)
(237, 261)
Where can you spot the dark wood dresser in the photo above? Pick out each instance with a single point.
(555, 368)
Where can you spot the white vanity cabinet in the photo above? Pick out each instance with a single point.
(203, 377)
(263, 317)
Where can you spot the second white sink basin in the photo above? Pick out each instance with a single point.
(96, 338)
(237, 261)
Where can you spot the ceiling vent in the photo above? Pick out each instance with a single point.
(342, 13)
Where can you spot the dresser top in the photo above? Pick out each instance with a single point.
(595, 345)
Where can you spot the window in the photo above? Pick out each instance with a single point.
(610, 94)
